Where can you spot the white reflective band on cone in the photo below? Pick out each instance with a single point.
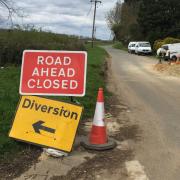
(99, 114)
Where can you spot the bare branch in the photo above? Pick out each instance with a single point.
(114, 15)
(12, 10)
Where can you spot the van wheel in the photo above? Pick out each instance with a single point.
(174, 58)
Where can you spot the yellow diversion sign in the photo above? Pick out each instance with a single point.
(46, 122)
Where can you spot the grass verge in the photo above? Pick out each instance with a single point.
(9, 85)
(119, 45)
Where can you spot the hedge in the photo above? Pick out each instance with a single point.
(13, 42)
(168, 40)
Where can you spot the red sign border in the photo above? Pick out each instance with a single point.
(52, 94)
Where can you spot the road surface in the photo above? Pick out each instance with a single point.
(154, 100)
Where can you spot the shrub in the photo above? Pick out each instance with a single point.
(168, 40)
(157, 44)
(120, 45)
(13, 42)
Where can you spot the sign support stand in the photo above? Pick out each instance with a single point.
(74, 100)
(44, 128)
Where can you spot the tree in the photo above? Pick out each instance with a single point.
(11, 9)
(114, 15)
(131, 1)
(6, 4)
(113, 18)
(159, 18)
(122, 20)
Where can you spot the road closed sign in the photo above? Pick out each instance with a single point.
(45, 122)
(58, 73)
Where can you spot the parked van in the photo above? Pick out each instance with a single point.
(143, 48)
(131, 47)
(172, 51)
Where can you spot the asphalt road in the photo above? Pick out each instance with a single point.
(154, 100)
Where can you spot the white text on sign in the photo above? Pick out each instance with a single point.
(53, 73)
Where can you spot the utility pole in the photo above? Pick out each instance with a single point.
(94, 19)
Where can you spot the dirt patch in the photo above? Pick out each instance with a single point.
(11, 169)
(114, 106)
(110, 160)
(131, 132)
(104, 164)
(120, 111)
(168, 69)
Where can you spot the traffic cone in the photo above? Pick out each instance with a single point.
(98, 139)
(98, 131)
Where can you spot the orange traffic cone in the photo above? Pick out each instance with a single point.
(98, 139)
(98, 131)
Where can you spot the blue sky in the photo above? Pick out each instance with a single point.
(64, 16)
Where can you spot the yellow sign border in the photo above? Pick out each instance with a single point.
(40, 145)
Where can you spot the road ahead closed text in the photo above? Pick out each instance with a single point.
(53, 73)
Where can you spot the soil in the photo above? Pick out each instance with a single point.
(91, 169)
(10, 169)
(172, 69)
(131, 132)
(104, 163)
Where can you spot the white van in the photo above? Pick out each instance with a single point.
(172, 51)
(131, 47)
(143, 48)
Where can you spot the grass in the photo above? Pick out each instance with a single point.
(119, 45)
(103, 43)
(9, 85)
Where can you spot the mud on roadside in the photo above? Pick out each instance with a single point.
(168, 69)
(108, 164)
(103, 163)
(9, 169)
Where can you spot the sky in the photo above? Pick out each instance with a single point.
(65, 16)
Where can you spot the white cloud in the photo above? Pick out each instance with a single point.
(66, 16)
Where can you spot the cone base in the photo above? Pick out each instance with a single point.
(111, 144)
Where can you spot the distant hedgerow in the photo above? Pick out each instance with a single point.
(14, 42)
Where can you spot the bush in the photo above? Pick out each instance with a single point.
(120, 45)
(14, 42)
(168, 40)
(157, 44)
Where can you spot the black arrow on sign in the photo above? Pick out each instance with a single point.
(39, 126)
